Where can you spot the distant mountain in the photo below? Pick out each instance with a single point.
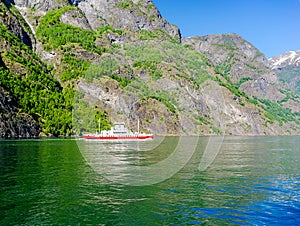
(287, 67)
(69, 64)
(291, 58)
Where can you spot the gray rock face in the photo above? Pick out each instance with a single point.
(218, 47)
(126, 15)
(129, 15)
(16, 26)
(242, 60)
(75, 18)
(45, 5)
(14, 124)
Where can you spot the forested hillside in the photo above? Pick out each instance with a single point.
(30, 83)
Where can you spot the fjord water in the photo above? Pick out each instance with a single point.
(253, 180)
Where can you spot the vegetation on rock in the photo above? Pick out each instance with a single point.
(92, 76)
(37, 92)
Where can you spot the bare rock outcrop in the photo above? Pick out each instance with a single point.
(13, 123)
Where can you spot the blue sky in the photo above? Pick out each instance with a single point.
(272, 26)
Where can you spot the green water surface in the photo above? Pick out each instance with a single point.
(253, 180)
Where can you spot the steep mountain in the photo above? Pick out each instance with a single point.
(287, 67)
(113, 60)
(240, 63)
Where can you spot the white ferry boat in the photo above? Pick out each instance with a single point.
(118, 132)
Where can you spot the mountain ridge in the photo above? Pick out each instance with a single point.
(131, 15)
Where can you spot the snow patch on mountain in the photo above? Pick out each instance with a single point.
(283, 60)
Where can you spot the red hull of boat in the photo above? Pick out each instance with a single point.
(137, 137)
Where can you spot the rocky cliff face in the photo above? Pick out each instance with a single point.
(244, 65)
(219, 48)
(13, 20)
(131, 15)
(14, 123)
(126, 15)
(38, 4)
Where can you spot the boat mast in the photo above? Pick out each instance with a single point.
(138, 125)
(99, 126)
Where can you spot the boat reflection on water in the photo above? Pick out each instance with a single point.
(128, 162)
